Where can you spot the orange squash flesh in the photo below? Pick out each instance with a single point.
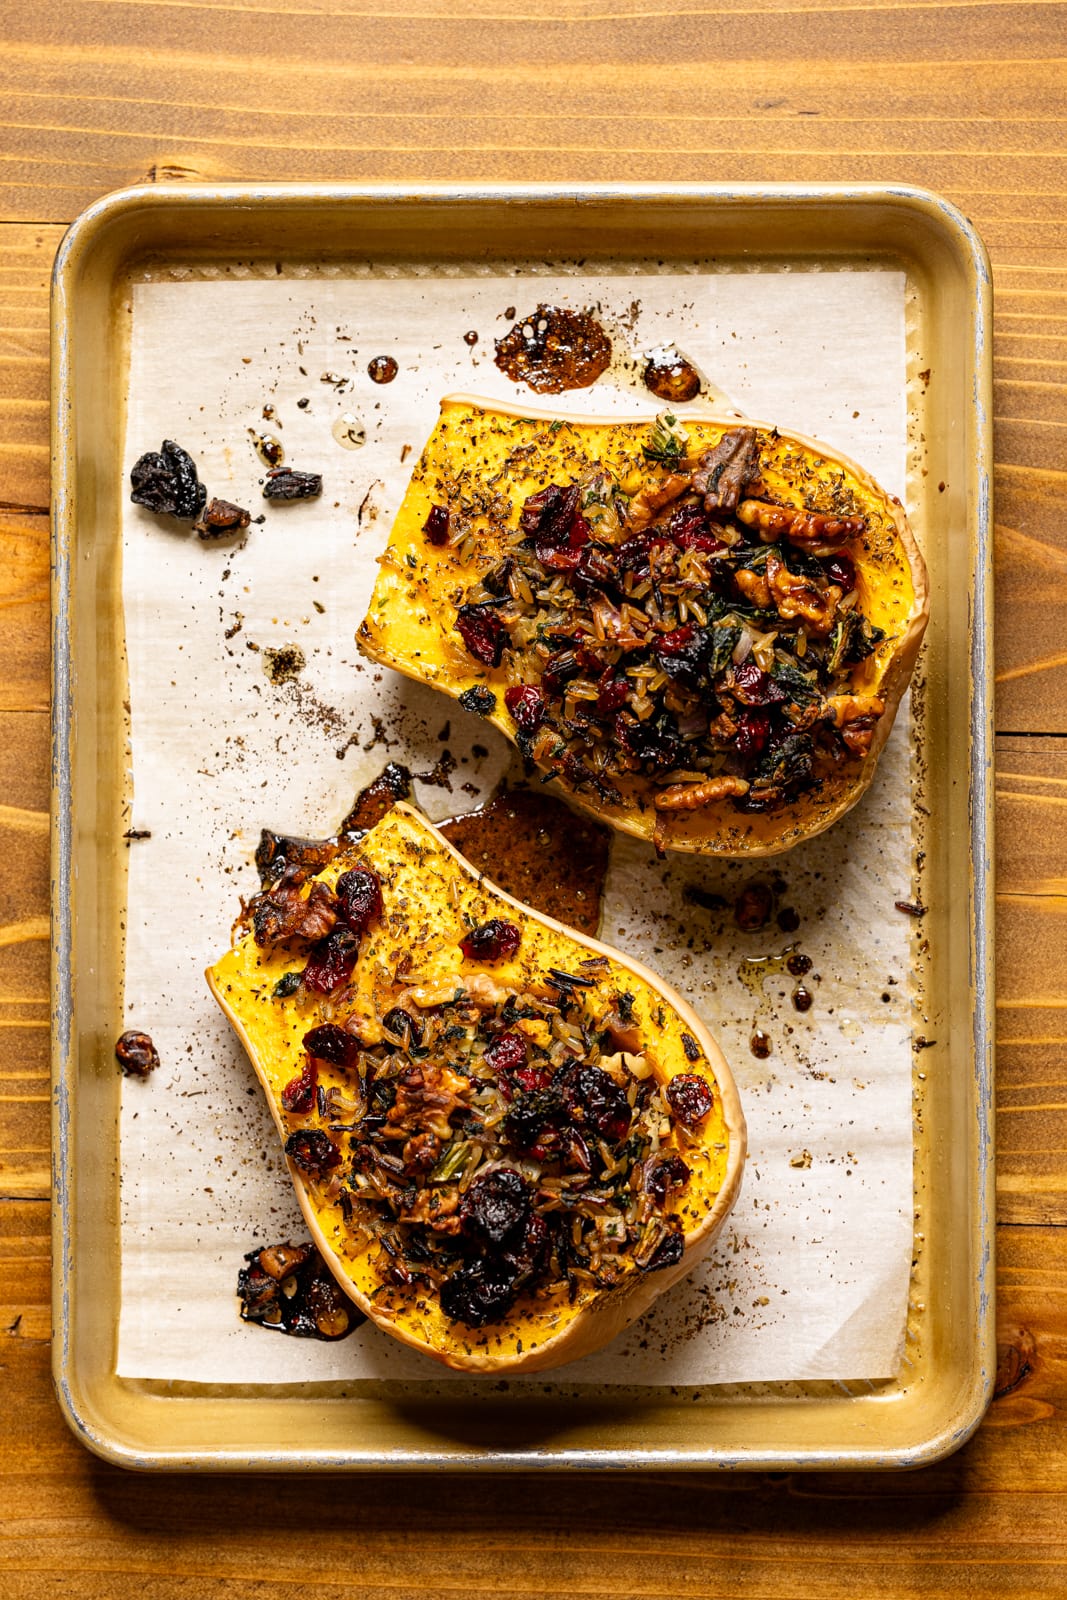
(431, 897)
(485, 459)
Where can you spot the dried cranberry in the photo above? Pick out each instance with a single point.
(480, 1292)
(632, 555)
(702, 540)
(753, 728)
(330, 1043)
(527, 706)
(840, 569)
(595, 568)
(564, 557)
(494, 1206)
(612, 694)
(676, 643)
(531, 1080)
(360, 896)
(313, 1151)
(663, 1176)
(331, 961)
(558, 670)
(495, 940)
(755, 687)
(688, 530)
(299, 1093)
(595, 1094)
(436, 525)
(506, 1053)
(689, 1097)
(667, 1253)
(547, 515)
(482, 632)
(136, 1054)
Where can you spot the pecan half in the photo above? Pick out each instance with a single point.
(725, 471)
(693, 796)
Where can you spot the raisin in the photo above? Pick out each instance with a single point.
(527, 706)
(691, 1048)
(331, 962)
(840, 569)
(663, 1176)
(313, 1151)
(482, 632)
(667, 1253)
(299, 1093)
(330, 1043)
(166, 483)
(495, 940)
(480, 1292)
(221, 518)
(689, 1097)
(506, 1053)
(286, 484)
(436, 525)
(360, 895)
(136, 1054)
(495, 1206)
(480, 700)
(596, 1095)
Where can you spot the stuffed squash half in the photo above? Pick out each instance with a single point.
(506, 1139)
(701, 632)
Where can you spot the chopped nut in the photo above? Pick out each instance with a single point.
(692, 796)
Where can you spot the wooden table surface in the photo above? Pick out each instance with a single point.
(966, 97)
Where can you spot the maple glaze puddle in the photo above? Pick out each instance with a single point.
(554, 350)
(539, 850)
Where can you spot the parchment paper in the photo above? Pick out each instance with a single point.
(810, 1278)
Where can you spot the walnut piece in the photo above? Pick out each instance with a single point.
(798, 599)
(812, 530)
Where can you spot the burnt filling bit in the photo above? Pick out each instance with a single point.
(220, 519)
(166, 482)
(497, 1143)
(687, 631)
(136, 1054)
(284, 483)
(288, 1287)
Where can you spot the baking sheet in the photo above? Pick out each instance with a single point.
(810, 1279)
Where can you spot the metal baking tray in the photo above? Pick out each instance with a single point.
(946, 1383)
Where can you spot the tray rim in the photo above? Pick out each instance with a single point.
(78, 243)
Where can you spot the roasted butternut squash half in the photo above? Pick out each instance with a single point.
(701, 631)
(506, 1139)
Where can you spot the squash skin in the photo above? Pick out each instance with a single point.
(410, 620)
(430, 885)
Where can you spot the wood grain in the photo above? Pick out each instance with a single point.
(969, 99)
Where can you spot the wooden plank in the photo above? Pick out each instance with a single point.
(70, 1521)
